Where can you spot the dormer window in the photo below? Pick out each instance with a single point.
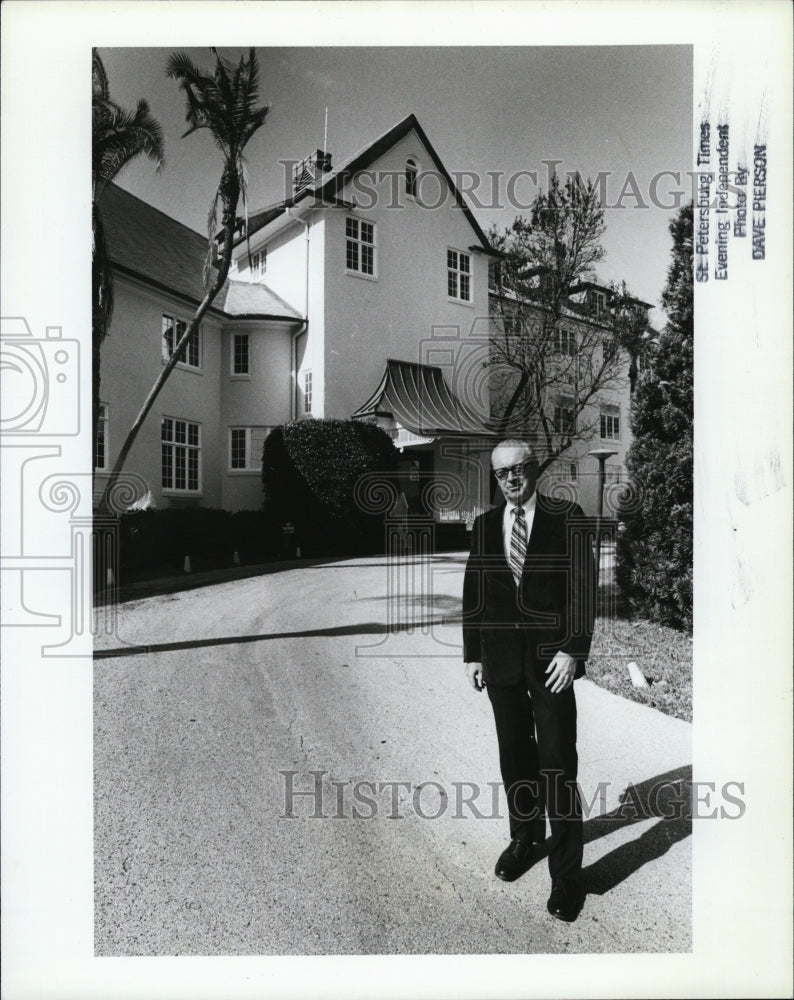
(411, 171)
(598, 302)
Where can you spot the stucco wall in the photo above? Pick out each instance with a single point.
(261, 398)
(392, 316)
(131, 361)
(290, 267)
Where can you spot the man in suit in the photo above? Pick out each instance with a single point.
(528, 612)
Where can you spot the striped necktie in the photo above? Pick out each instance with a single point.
(518, 544)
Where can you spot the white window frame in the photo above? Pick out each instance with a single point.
(308, 391)
(253, 462)
(165, 352)
(259, 263)
(103, 428)
(174, 445)
(565, 342)
(454, 269)
(609, 420)
(233, 358)
(356, 240)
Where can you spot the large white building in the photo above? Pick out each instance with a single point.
(365, 294)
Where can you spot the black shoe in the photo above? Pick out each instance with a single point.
(517, 858)
(566, 898)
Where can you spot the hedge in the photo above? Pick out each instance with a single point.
(310, 469)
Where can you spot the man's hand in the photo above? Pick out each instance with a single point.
(474, 675)
(561, 669)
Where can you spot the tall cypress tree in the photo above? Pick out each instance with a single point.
(655, 549)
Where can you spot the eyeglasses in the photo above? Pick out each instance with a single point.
(514, 470)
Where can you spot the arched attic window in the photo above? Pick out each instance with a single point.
(411, 170)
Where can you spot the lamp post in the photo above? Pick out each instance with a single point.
(602, 454)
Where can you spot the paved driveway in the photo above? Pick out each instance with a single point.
(286, 769)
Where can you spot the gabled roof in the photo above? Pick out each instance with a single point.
(150, 245)
(331, 184)
(419, 399)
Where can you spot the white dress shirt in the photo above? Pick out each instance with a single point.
(509, 518)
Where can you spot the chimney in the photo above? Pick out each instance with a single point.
(309, 171)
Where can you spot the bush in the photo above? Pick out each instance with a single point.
(159, 540)
(309, 471)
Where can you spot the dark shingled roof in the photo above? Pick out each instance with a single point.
(419, 399)
(148, 244)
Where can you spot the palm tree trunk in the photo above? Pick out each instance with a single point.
(154, 392)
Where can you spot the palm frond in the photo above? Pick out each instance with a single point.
(99, 78)
(118, 137)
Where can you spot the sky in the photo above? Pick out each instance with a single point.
(624, 112)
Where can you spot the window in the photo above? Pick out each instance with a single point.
(612, 474)
(565, 342)
(573, 472)
(564, 422)
(610, 423)
(459, 275)
(101, 449)
(240, 359)
(411, 171)
(245, 448)
(173, 330)
(180, 451)
(259, 263)
(598, 302)
(360, 247)
(307, 392)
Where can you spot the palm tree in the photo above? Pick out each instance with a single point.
(118, 136)
(226, 104)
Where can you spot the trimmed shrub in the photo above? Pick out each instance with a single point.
(158, 540)
(309, 471)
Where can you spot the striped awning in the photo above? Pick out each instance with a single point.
(418, 399)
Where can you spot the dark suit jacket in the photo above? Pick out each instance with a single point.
(555, 604)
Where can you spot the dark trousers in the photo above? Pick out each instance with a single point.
(536, 731)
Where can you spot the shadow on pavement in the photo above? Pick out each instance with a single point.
(137, 590)
(363, 628)
(668, 797)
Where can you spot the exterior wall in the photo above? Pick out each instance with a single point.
(393, 315)
(132, 360)
(261, 398)
(287, 274)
